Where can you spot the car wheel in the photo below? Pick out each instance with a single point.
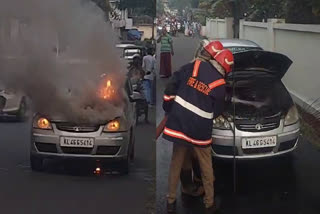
(124, 166)
(22, 110)
(36, 163)
(132, 142)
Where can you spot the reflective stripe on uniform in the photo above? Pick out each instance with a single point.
(193, 108)
(196, 68)
(217, 83)
(180, 135)
(168, 98)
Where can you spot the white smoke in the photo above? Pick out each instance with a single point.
(31, 31)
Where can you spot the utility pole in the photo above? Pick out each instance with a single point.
(235, 13)
(154, 15)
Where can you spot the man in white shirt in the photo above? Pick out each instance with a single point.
(148, 65)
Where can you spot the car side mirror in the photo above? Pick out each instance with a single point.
(135, 97)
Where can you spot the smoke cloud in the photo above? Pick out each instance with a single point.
(62, 85)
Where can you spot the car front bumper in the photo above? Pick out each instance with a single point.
(111, 146)
(223, 143)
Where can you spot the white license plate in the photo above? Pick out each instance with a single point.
(259, 142)
(76, 142)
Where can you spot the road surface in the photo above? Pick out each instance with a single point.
(73, 189)
(270, 186)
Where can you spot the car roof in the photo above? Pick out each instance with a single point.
(128, 46)
(125, 45)
(238, 43)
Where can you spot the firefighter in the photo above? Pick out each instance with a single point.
(193, 98)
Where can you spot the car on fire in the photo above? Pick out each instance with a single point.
(260, 114)
(13, 105)
(110, 141)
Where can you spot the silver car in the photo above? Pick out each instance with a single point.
(13, 105)
(260, 119)
(111, 141)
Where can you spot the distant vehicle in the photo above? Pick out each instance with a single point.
(13, 105)
(134, 35)
(113, 141)
(130, 50)
(266, 119)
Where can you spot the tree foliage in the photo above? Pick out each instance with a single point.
(294, 11)
(140, 7)
(160, 8)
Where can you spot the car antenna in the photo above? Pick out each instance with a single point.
(234, 137)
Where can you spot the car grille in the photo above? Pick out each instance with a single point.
(72, 150)
(108, 150)
(77, 128)
(287, 145)
(253, 127)
(258, 125)
(46, 147)
(257, 151)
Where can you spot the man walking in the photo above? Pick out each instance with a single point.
(194, 96)
(148, 65)
(166, 50)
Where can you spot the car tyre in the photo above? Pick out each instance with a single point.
(22, 110)
(36, 163)
(125, 166)
(132, 141)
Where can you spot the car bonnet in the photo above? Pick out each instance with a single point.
(273, 63)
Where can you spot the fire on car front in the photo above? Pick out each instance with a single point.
(110, 141)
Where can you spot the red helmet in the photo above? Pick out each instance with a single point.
(225, 59)
(213, 48)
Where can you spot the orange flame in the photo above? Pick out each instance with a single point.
(107, 90)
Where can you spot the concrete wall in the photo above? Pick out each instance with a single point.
(219, 28)
(301, 43)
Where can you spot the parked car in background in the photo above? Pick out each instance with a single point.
(113, 141)
(262, 112)
(130, 50)
(134, 35)
(13, 105)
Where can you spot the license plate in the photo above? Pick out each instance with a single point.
(76, 142)
(259, 142)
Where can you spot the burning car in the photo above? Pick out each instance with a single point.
(13, 105)
(112, 140)
(261, 114)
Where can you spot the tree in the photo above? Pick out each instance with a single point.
(160, 8)
(139, 7)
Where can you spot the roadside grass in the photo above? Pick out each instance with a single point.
(310, 127)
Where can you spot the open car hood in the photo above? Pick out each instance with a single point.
(273, 63)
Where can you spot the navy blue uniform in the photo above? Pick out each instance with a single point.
(192, 99)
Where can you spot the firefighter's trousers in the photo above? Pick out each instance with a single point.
(179, 153)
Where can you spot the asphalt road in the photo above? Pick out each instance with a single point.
(73, 189)
(269, 186)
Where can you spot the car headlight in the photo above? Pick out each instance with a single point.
(117, 125)
(292, 116)
(221, 123)
(42, 123)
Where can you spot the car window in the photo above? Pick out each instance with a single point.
(131, 52)
(242, 49)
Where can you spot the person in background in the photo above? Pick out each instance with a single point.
(136, 72)
(166, 53)
(148, 65)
